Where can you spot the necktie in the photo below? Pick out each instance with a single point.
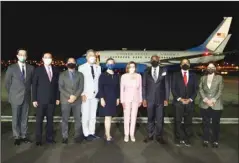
(72, 75)
(92, 72)
(23, 72)
(154, 75)
(49, 72)
(185, 78)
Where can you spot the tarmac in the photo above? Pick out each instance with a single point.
(99, 151)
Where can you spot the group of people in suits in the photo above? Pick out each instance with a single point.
(82, 90)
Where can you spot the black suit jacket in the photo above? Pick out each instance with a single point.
(180, 90)
(45, 91)
(156, 92)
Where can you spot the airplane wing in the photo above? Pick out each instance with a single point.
(235, 52)
(172, 61)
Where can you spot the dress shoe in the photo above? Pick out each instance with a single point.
(17, 142)
(188, 143)
(38, 143)
(126, 138)
(109, 140)
(88, 138)
(26, 140)
(160, 140)
(179, 143)
(148, 139)
(79, 139)
(205, 144)
(94, 137)
(64, 141)
(215, 145)
(51, 142)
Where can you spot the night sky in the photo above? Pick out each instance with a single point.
(70, 28)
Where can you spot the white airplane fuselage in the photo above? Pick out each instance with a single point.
(143, 57)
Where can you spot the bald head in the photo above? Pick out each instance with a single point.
(155, 60)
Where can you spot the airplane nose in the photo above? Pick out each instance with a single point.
(81, 60)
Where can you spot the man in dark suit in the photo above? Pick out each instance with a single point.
(18, 81)
(184, 90)
(155, 97)
(45, 97)
(71, 84)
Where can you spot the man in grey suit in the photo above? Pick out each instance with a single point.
(18, 82)
(71, 84)
(211, 104)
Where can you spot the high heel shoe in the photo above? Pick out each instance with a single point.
(126, 139)
(108, 140)
(132, 138)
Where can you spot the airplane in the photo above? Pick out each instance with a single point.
(210, 50)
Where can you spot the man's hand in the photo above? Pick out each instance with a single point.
(70, 101)
(102, 102)
(83, 97)
(165, 103)
(185, 101)
(57, 102)
(182, 100)
(35, 104)
(145, 103)
(73, 98)
(117, 102)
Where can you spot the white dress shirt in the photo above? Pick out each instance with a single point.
(209, 80)
(157, 71)
(24, 65)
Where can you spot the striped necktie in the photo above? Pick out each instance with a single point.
(155, 75)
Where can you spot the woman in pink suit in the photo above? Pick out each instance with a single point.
(131, 99)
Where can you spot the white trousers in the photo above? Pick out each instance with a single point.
(88, 110)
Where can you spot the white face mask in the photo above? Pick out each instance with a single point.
(92, 60)
(21, 58)
(131, 70)
(47, 61)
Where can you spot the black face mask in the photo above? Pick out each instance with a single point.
(185, 67)
(155, 63)
(210, 71)
(71, 65)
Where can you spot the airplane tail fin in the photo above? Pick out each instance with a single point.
(223, 44)
(217, 37)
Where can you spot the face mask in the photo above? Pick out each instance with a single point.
(185, 67)
(210, 70)
(47, 61)
(131, 70)
(71, 65)
(154, 63)
(21, 58)
(92, 60)
(110, 66)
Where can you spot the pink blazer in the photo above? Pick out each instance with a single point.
(131, 89)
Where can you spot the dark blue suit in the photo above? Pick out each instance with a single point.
(45, 92)
(179, 90)
(155, 93)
